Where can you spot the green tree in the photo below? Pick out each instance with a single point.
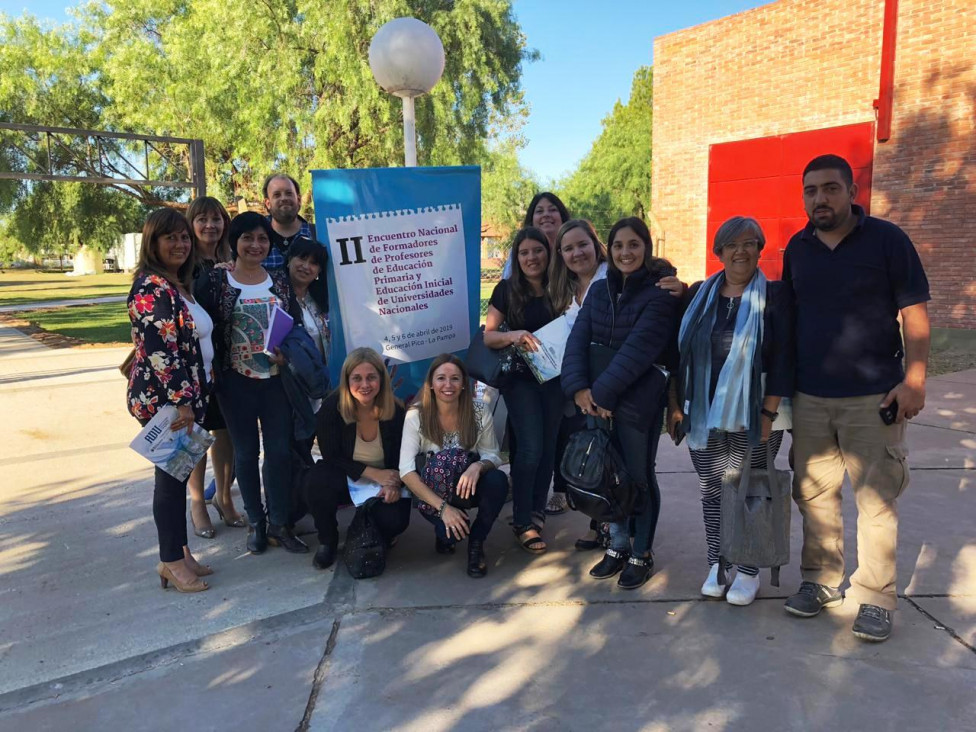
(286, 84)
(506, 188)
(614, 179)
(59, 218)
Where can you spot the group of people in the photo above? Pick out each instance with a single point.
(728, 363)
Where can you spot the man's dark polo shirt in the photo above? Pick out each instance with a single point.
(848, 342)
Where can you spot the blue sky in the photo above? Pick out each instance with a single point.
(590, 51)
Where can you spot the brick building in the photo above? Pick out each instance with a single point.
(743, 102)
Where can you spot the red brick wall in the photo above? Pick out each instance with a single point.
(797, 65)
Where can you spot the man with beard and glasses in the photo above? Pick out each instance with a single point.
(856, 384)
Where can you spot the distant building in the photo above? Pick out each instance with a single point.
(743, 102)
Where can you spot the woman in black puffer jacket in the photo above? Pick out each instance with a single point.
(637, 321)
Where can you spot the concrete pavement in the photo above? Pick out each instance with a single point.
(89, 641)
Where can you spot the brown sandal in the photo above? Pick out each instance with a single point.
(529, 539)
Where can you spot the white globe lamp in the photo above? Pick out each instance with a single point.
(406, 57)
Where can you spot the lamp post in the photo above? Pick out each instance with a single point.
(407, 58)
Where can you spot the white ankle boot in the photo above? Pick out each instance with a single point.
(743, 590)
(712, 588)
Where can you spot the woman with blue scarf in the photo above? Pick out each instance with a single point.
(736, 344)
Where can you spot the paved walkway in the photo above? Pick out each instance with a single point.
(88, 641)
(61, 303)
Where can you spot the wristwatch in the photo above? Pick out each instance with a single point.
(766, 413)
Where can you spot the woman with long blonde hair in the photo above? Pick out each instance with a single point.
(456, 439)
(359, 429)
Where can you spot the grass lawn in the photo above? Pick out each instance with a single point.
(25, 288)
(103, 323)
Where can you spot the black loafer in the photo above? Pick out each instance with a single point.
(325, 556)
(612, 562)
(257, 538)
(636, 573)
(811, 598)
(282, 536)
(443, 547)
(476, 559)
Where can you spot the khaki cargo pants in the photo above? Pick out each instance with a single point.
(831, 437)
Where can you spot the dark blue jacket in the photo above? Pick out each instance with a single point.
(304, 377)
(639, 326)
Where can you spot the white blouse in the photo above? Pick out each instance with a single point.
(414, 442)
(574, 308)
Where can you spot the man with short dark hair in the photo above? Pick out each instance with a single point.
(282, 199)
(852, 275)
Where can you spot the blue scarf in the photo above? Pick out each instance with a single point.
(736, 404)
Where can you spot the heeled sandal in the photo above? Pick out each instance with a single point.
(208, 532)
(532, 544)
(239, 523)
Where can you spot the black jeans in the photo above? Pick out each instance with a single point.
(169, 513)
(535, 410)
(327, 488)
(638, 446)
(244, 403)
(489, 498)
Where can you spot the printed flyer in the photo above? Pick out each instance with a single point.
(403, 274)
(404, 266)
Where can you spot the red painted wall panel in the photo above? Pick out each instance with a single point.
(762, 178)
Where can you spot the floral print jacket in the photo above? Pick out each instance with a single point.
(168, 365)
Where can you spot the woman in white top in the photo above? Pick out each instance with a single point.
(451, 429)
(580, 260)
(248, 381)
(210, 229)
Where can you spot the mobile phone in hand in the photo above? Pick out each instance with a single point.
(679, 432)
(890, 413)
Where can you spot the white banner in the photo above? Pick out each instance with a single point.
(401, 282)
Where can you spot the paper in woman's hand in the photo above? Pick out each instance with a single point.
(173, 451)
(546, 362)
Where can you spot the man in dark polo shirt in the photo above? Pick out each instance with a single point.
(852, 275)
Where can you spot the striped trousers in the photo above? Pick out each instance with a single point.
(724, 450)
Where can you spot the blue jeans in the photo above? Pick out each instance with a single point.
(245, 402)
(639, 450)
(535, 411)
(489, 498)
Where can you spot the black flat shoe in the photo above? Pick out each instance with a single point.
(585, 545)
(443, 547)
(282, 536)
(324, 557)
(257, 538)
(476, 559)
(636, 573)
(612, 562)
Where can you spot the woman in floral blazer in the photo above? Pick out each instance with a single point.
(172, 359)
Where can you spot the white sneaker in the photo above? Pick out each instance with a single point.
(743, 590)
(712, 588)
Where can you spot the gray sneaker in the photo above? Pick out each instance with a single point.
(811, 598)
(873, 624)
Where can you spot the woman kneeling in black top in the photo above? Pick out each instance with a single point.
(359, 428)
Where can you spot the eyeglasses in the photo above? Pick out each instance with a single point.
(747, 246)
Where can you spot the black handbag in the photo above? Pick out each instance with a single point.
(365, 550)
(489, 365)
(597, 482)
